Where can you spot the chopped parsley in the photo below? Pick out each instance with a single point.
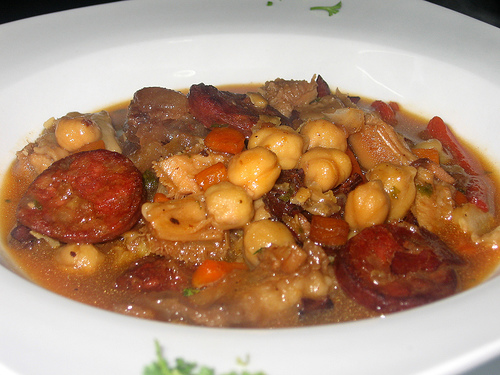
(36, 205)
(394, 193)
(285, 197)
(258, 251)
(162, 367)
(150, 182)
(425, 189)
(334, 9)
(188, 292)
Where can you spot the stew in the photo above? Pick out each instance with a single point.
(288, 204)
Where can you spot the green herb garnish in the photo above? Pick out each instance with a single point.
(394, 193)
(334, 9)
(150, 182)
(188, 292)
(286, 196)
(182, 367)
(425, 189)
(258, 251)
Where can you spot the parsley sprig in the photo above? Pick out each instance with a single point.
(182, 367)
(334, 9)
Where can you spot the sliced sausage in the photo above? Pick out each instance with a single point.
(213, 107)
(393, 267)
(89, 197)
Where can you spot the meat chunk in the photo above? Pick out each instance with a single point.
(434, 201)
(211, 107)
(277, 200)
(156, 105)
(378, 142)
(287, 95)
(178, 172)
(278, 287)
(34, 158)
(191, 251)
(155, 274)
(157, 114)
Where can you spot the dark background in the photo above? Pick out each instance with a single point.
(11, 10)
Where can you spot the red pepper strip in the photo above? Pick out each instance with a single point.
(386, 111)
(481, 190)
(394, 106)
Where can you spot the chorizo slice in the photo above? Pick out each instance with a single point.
(393, 267)
(212, 106)
(90, 197)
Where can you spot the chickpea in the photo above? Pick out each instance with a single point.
(287, 144)
(229, 205)
(323, 133)
(367, 205)
(399, 184)
(256, 170)
(326, 167)
(72, 133)
(84, 258)
(261, 234)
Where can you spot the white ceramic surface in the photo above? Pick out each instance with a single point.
(430, 60)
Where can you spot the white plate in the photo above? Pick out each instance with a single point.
(432, 61)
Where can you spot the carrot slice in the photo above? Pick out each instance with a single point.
(211, 176)
(329, 231)
(225, 139)
(211, 271)
(427, 153)
(460, 198)
(160, 197)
